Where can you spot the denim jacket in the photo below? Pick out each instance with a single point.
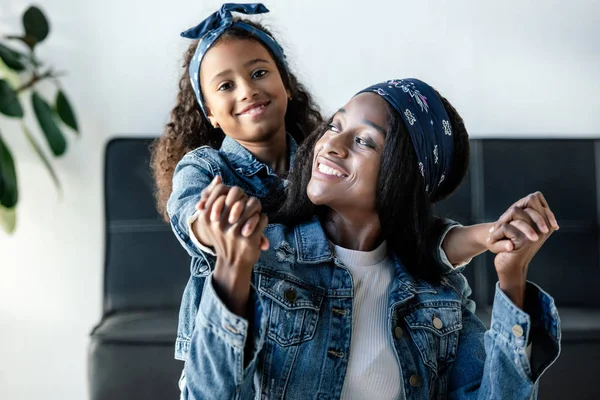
(237, 167)
(301, 340)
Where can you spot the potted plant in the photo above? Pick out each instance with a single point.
(20, 73)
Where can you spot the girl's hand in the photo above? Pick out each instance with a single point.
(523, 229)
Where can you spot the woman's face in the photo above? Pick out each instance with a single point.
(347, 157)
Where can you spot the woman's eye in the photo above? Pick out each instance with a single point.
(260, 73)
(362, 142)
(225, 86)
(333, 128)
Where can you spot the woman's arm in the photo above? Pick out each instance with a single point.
(461, 243)
(522, 313)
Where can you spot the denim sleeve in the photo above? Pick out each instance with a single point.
(216, 368)
(192, 174)
(495, 365)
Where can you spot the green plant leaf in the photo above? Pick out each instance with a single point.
(40, 153)
(36, 24)
(9, 102)
(30, 41)
(8, 219)
(54, 136)
(65, 111)
(9, 192)
(11, 58)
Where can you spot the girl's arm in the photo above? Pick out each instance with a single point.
(230, 326)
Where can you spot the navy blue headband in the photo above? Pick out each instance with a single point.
(428, 123)
(209, 30)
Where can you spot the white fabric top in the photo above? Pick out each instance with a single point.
(373, 369)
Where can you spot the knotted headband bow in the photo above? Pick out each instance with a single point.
(428, 123)
(209, 30)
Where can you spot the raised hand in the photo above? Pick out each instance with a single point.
(234, 224)
(522, 230)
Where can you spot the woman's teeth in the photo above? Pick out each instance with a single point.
(330, 171)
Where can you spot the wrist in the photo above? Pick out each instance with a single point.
(514, 288)
(232, 287)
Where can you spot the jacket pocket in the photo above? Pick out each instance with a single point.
(294, 310)
(435, 327)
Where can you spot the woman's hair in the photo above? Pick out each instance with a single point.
(188, 128)
(405, 210)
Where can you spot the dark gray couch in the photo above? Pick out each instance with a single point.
(131, 350)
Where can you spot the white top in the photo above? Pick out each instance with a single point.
(373, 369)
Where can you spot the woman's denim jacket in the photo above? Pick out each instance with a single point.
(237, 167)
(302, 322)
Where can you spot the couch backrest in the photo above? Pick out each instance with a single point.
(145, 266)
(566, 171)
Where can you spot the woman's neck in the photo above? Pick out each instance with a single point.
(273, 152)
(355, 232)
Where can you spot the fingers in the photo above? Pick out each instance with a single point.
(526, 222)
(249, 218)
(538, 202)
(218, 191)
(501, 245)
(234, 203)
(207, 190)
(513, 234)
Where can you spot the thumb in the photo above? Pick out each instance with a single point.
(501, 246)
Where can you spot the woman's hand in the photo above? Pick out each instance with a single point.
(524, 228)
(235, 225)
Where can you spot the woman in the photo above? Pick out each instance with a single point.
(345, 303)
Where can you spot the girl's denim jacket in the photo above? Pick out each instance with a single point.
(300, 335)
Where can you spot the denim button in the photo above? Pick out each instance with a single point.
(398, 332)
(517, 330)
(437, 323)
(415, 380)
(290, 295)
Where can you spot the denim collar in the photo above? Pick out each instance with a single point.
(245, 162)
(313, 247)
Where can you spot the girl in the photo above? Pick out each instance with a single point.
(239, 114)
(340, 306)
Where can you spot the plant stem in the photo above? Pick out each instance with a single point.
(37, 78)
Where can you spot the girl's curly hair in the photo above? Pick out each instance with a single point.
(188, 128)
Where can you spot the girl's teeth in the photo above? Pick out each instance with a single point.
(256, 109)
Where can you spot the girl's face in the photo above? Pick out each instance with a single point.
(347, 157)
(243, 90)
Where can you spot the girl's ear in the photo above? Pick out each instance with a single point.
(211, 118)
(289, 93)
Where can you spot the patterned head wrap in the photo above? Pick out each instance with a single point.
(209, 30)
(428, 123)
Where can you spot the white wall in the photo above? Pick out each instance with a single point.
(511, 68)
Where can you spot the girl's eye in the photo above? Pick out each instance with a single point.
(225, 86)
(260, 73)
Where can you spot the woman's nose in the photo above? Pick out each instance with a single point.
(336, 144)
